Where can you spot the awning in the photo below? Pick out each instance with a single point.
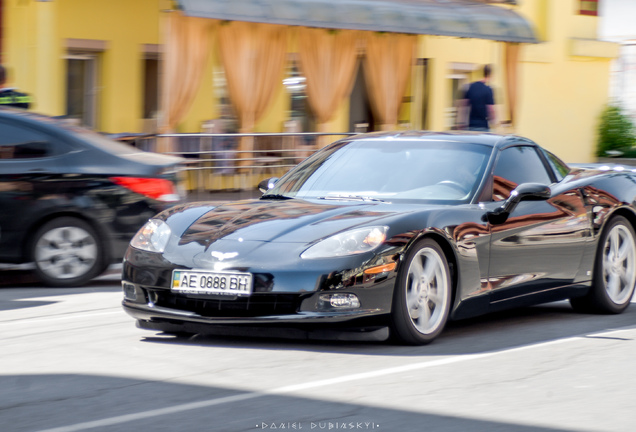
(460, 18)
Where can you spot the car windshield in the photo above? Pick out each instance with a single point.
(388, 170)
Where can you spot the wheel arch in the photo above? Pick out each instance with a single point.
(599, 228)
(626, 212)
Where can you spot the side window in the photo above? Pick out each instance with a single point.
(17, 142)
(560, 169)
(516, 165)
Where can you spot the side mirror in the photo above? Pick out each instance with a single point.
(523, 192)
(267, 184)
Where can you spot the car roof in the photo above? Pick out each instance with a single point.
(483, 138)
(126, 158)
(8, 112)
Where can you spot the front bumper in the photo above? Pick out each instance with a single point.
(291, 295)
(162, 310)
(358, 325)
(376, 331)
(152, 312)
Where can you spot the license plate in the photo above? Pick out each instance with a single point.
(207, 282)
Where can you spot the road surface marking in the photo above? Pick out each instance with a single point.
(296, 387)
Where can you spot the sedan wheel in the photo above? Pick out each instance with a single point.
(422, 298)
(614, 270)
(67, 252)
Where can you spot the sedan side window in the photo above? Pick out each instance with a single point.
(23, 143)
(517, 165)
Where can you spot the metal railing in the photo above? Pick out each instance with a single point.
(214, 162)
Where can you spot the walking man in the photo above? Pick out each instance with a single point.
(478, 105)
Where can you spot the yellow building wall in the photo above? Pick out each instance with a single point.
(560, 108)
(563, 80)
(118, 23)
(31, 51)
(35, 46)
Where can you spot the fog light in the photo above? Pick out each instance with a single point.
(129, 292)
(341, 301)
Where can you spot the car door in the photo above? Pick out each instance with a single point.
(540, 245)
(29, 178)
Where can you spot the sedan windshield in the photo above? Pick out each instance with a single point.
(389, 170)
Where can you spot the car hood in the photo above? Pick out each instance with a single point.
(289, 221)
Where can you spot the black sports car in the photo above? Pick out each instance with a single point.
(398, 231)
(72, 199)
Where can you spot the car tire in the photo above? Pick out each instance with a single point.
(614, 271)
(422, 296)
(67, 252)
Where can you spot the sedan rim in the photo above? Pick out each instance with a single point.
(66, 252)
(619, 264)
(427, 291)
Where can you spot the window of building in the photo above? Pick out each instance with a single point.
(82, 80)
(81, 88)
(588, 7)
(296, 85)
(361, 117)
(421, 90)
(150, 85)
(227, 121)
(82, 77)
(300, 117)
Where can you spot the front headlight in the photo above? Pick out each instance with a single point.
(352, 242)
(152, 237)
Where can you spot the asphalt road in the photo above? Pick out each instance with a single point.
(72, 360)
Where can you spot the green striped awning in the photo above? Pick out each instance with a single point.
(460, 18)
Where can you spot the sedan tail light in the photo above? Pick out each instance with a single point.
(155, 188)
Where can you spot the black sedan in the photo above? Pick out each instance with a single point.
(72, 199)
(391, 231)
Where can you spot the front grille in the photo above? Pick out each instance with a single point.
(252, 306)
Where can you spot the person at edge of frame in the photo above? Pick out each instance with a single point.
(9, 96)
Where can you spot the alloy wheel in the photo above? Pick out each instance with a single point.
(427, 291)
(66, 252)
(619, 264)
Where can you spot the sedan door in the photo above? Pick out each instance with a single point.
(29, 178)
(540, 245)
